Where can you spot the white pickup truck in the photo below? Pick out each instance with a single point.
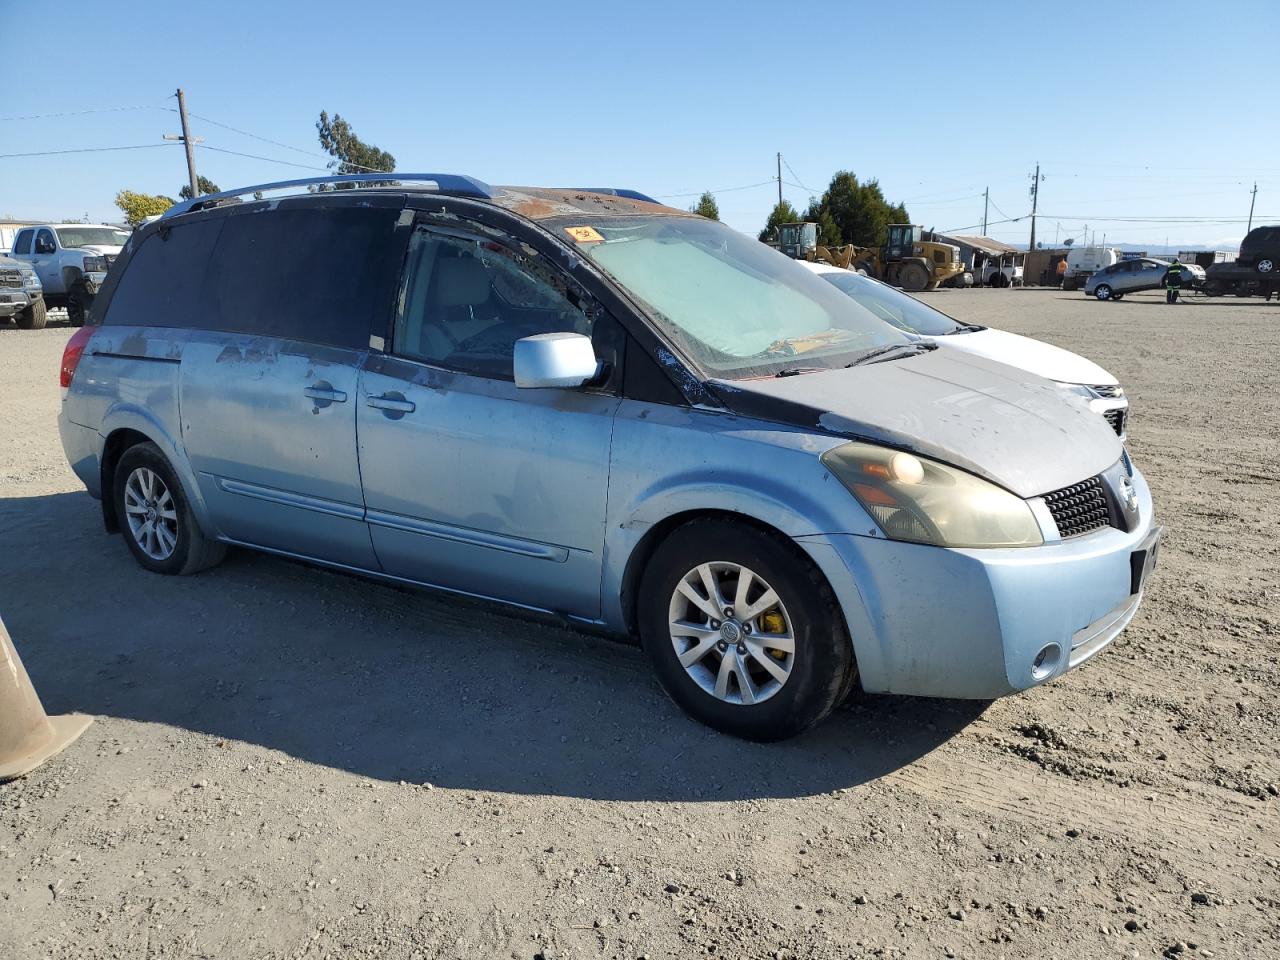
(71, 260)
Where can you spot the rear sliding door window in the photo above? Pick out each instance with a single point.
(324, 275)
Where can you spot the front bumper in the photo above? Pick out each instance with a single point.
(13, 300)
(929, 621)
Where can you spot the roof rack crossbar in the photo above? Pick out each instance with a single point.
(456, 184)
(617, 192)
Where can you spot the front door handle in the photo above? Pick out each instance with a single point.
(392, 403)
(323, 393)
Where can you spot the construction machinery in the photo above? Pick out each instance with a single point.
(907, 260)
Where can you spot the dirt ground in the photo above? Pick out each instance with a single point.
(293, 763)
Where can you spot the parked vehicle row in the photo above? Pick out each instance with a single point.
(613, 412)
(71, 260)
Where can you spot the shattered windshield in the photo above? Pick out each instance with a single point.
(733, 305)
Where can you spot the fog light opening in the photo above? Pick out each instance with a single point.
(1046, 661)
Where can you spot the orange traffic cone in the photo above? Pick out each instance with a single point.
(28, 736)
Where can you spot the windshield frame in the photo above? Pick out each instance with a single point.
(75, 229)
(685, 345)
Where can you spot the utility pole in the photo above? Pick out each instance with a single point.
(1035, 199)
(189, 142)
(986, 201)
(1252, 200)
(779, 178)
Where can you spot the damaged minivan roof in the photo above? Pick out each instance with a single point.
(544, 203)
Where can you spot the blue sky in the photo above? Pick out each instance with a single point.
(1134, 111)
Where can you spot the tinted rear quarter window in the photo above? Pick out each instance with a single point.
(161, 284)
(324, 275)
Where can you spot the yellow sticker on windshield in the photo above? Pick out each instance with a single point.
(584, 234)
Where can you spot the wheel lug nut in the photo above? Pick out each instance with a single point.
(742, 648)
(715, 624)
(746, 628)
(728, 611)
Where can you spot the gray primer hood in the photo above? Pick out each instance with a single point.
(996, 421)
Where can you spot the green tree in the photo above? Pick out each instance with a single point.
(782, 212)
(706, 207)
(859, 211)
(205, 185)
(136, 207)
(350, 153)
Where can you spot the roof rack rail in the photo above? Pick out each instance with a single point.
(616, 192)
(452, 183)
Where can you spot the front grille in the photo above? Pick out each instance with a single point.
(1116, 418)
(1080, 508)
(11, 279)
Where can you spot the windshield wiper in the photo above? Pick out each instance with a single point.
(965, 328)
(880, 354)
(796, 371)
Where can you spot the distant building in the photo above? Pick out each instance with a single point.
(8, 228)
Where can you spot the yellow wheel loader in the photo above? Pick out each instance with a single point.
(906, 261)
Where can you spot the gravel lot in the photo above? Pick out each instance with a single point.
(293, 763)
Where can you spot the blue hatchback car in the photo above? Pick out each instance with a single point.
(585, 403)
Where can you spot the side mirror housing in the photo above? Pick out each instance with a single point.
(555, 360)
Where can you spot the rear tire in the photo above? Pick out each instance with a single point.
(816, 673)
(34, 317)
(155, 515)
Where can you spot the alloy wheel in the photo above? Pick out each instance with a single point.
(151, 513)
(732, 633)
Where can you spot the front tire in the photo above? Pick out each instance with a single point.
(1102, 291)
(155, 515)
(78, 303)
(743, 631)
(34, 317)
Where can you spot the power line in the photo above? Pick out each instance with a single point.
(698, 193)
(254, 156)
(58, 153)
(82, 113)
(812, 192)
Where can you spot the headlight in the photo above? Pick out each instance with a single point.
(95, 264)
(922, 501)
(1079, 390)
(29, 279)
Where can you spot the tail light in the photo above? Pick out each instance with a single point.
(71, 354)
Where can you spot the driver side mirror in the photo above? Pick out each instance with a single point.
(555, 360)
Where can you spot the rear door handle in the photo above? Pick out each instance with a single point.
(324, 393)
(392, 403)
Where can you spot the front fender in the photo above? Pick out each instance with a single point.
(130, 416)
(669, 461)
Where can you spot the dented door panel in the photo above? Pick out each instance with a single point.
(270, 429)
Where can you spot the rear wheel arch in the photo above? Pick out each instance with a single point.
(117, 442)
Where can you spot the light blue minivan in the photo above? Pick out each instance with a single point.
(586, 404)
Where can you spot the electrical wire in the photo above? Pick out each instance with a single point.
(58, 153)
(698, 193)
(254, 156)
(812, 192)
(82, 113)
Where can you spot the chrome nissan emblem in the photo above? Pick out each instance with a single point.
(1128, 494)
